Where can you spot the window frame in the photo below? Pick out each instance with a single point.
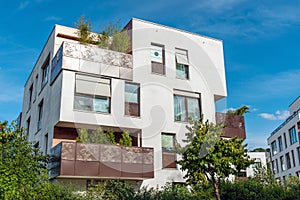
(182, 65)
(40, 115)
(288, 160)
(169, 155)
(293, 135)
(274, 148)
(156, 65)
(30, 96)
(129, 106)
(45, 72)
(91, 98)
(186, 106)
(280, 144)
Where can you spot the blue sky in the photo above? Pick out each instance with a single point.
(261, 46)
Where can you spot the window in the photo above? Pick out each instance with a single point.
(28, 125)
(187, 106)
(168, 154)
(167, 142)
(298, 152)
(274, 148)
(280, 144)
(40, 115)
(273, 167)
(132, 99)
(282, 163)
(182, 64)
(30, 96)
(298, 174)
(46, 143)
(45, 71)
(92, 94)
(293, 158)
(277, 166)
(293, 136)
(36, 86)
(288, 160)
(157, 59)
(284, 138)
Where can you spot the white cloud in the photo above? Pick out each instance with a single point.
(23, 5)
(52, 18)
(278, 115)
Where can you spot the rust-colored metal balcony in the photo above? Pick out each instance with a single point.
(81, 160)
(234, 125)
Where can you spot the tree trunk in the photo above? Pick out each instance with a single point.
(216, 189)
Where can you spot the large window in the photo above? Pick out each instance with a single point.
(30, 96)
(168, 154)
(132, 99)
(158, 59)
(186, 105)
(280, 143)
(288, 160)
(274, 147)
(298, 152)
(293, 158)
(182, 64)
(92, 94)
(45, 71)
(284, 138)
(293, 135)
(282, 163)
(40, 114)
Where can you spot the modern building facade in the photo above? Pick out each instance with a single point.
(285, 147)
(166, 77)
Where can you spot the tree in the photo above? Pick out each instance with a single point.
(239, 111)
(23, 169)
(208, 158)
(84, 30)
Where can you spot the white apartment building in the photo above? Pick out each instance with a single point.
(259, 159)
(167, 76)
(285, 146)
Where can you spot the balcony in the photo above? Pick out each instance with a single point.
(81, 160)
(234, 125)
(91, 59)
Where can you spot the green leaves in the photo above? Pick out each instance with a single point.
(22, 168)
(208, 157)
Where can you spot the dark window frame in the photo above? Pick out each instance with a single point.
(186, 107)
(156, 67)
(293, 135)
(40, 114)
(132, 108)
(45, 72)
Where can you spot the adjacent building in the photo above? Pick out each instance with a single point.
(285, 147)
(166, 76)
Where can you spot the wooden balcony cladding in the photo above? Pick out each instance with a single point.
(71, 159)
(91, 59)
(234, 125)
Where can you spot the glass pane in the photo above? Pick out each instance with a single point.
(181, 71)
(193, 108)
(101, 104)
(167, 142)
(131, 93)
(83, 103)
(179, 108)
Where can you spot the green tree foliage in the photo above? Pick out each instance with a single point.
(239, 111)
(98, 136)
(23, 170)
(208, 158)
(113, 38)
(126, 139)
(84, 30)
(264, 174)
